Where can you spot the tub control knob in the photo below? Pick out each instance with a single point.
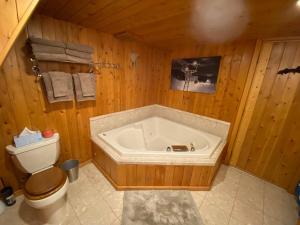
(192, 147)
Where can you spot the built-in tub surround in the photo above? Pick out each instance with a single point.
(130, 148)
(142, 135)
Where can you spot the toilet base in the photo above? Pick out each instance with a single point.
(55, 213)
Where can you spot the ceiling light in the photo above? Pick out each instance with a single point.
(298, 3)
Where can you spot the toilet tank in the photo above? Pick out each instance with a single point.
(37, 156)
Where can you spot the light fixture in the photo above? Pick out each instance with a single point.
(133, 57)
(298, 3)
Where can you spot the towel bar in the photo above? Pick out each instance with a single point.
(37, 72)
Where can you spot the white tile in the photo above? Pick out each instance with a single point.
(92, 173)
(223, 200)
(228, 173)
(81, 195)
(115, 201)
(274, 192)
(234, 221)
(272, 221)
(105, 188)
(229, 187)
(116, 222)
(279, 204)
(199, 197)
(247, 214)
(98, 181)
(227, 181)
(251, 182)
(251, 197)
(28, 215)
(71, 218)
(284, 211)
(98, 214)
(212, 215)
(14, 216)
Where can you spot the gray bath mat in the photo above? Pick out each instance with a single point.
(160, 208)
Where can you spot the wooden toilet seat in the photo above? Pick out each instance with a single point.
(44, 183)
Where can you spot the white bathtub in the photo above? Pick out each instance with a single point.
(142, 135)
(154, 135)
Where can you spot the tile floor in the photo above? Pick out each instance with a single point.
(236, 198)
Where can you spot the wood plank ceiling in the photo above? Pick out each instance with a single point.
(168, 23)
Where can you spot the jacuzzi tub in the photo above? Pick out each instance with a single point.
(142, 136)
(153, 136)
(132, 148)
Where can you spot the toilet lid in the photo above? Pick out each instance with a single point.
(45, 183)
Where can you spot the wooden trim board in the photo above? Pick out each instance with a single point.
(151, 176)
(251, 101)
(243, 101)
(21, 24)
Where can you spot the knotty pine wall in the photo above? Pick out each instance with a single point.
(235, 63)
(268, 142)
(22, 102)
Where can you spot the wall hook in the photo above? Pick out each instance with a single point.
(289, 70)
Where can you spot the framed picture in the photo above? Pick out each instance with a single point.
(195, 74)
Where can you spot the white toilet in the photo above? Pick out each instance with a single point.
(46, 188)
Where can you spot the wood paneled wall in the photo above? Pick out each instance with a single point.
(268, 141)
(235, 63)
(14, 15)
(22, 102)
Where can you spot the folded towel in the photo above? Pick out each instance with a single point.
(74, 59)
(51, 57)
(59, 81)
(61, 58)
(80, 47)
(88, 84)
(50, 93)
(38, 48)
(47, 42)
(79, 54)
(79, 95)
